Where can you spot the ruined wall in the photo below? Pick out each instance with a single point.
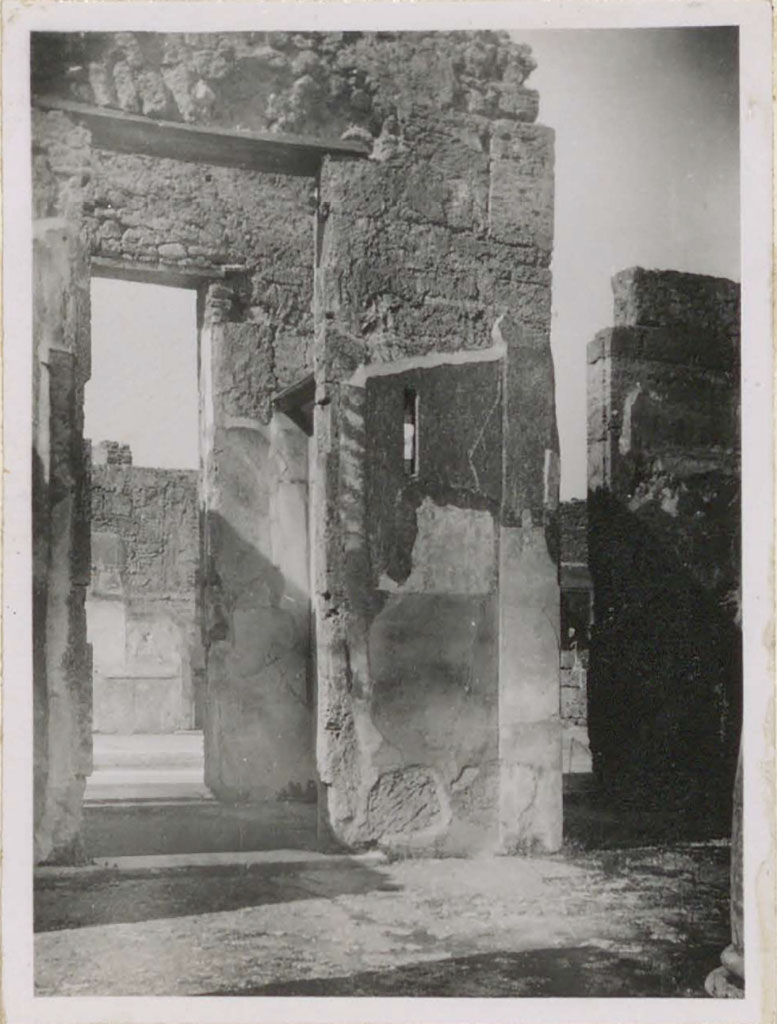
(60, 538)
(168, 216)
(317, 83)
(665, 673)
(438, 248)
(437, 594)
(141, 602)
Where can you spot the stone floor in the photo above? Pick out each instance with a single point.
(186, 896)
(645, 921)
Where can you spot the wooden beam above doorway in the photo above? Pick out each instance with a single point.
(116, 130)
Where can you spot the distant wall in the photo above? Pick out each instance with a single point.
(141, 602)
(664, 529)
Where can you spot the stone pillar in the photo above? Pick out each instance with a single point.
(61, 558)
(665, 673)
(437, 583)
(254, 593)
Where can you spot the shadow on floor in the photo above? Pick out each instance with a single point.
(594, 820)
(659, 971)
(112, 897)
(139, 829)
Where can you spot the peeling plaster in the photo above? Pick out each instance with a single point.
(430, 360)
(453, 553)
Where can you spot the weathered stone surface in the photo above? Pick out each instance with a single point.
(668, 298)
(520, 202)
(404, 801)
(168, 215)
(111, 453)
(61, 156)
(418, 293)
(665, 665)
(153, 514)
(434, 702)
(439, 531)
(308, 82)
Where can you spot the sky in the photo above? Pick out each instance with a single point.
(647, 173)
(143, 388)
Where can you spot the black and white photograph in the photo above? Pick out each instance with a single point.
(388, 517)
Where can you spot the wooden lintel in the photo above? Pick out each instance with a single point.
(131, 133)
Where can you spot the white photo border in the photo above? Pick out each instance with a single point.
(754, 18)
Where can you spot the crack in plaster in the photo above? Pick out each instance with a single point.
(481, 432)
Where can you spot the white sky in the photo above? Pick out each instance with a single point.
(646, 173)
(143, 388)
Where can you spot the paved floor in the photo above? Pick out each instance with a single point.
(177, 901)
(646, 921)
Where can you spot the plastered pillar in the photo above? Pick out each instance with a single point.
(530, 781)
(62, 669)
(254, 598)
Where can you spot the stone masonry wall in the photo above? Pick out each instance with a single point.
(437, 597)
(437, 248)
(165, 216)
(301, 82)
(153, 513)
(141, 604)
(665, 674)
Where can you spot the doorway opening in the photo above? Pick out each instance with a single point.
(141, 417)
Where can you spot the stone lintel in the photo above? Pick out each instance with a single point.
(173, 276)
(268, 152)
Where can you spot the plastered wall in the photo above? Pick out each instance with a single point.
(141, 617)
